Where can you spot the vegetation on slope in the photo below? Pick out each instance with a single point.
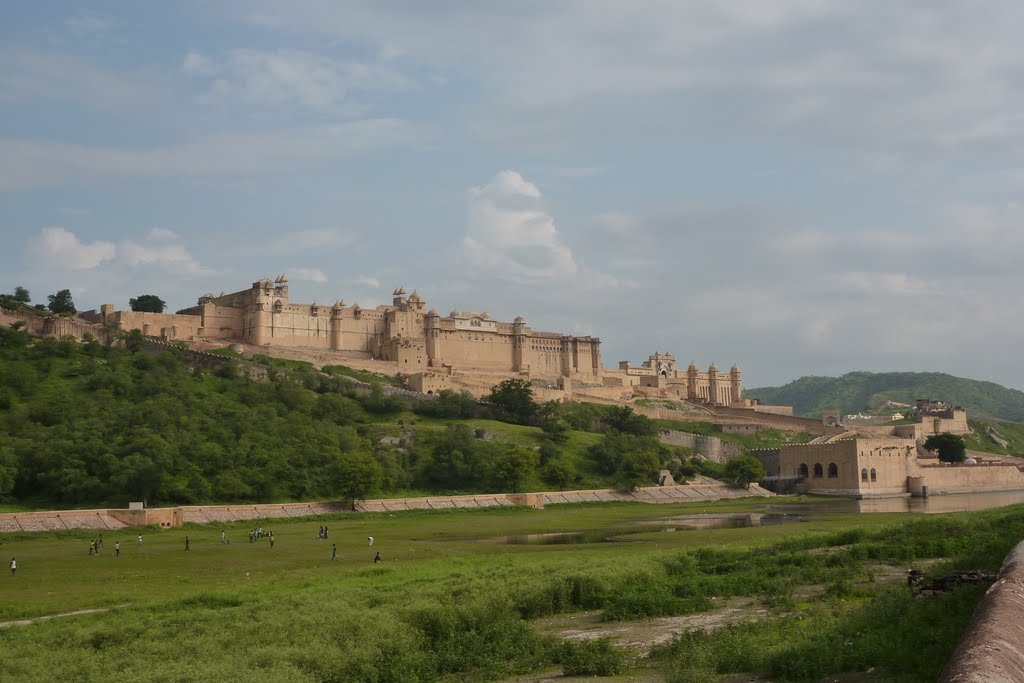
(92, 424)
(867, 391)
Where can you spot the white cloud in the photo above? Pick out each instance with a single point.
(162, 235)
(32, 76)
(56, 248)
(368, 280)
(315, 239)
(61, 248)
(509, 234)
(45, 163)
(170, 258)
(309, 274)
(85, 23)
(281, 77)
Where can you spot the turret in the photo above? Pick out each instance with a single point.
(518, 343)
(735, 384)
(398, 297)
(713, 384)
(691, 382)
(337, 324)
(257, 327)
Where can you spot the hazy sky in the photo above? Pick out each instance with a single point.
(799, 186)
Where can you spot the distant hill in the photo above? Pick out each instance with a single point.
(867, 391)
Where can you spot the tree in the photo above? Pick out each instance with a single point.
(355, 475)
(61, 303)
(744, 471)
(554, 425)
(148, 303)
(514, 397)
(622, 419)
(511, 467)
(21, 295)
(558, 472)
(951, 447)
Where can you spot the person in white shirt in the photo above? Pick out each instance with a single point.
(370, 539)
(14, 566)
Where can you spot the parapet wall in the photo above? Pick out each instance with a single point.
(991, 650)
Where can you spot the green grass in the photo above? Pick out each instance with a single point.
(447, 605)
(766, 438)
(1013, 432)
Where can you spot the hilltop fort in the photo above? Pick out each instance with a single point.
(426, 347)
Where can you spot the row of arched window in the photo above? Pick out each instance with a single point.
(833, 472)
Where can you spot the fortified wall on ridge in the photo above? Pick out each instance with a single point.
(422, 344)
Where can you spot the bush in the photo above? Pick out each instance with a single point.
(593, 658)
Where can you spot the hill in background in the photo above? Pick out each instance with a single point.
(869, 391)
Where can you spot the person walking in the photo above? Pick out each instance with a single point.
(140, 539)
(377, 558)
(370, 539)
(223, 538)
(334, 552)
(271, 536)
(14, 566)
(117, 548)
(186, 544)
(92, 548)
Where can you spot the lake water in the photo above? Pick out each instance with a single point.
(771, 514)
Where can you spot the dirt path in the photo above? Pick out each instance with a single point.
(642, 635)
(36, 620)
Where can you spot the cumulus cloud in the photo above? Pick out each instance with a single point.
(308, 274)
(510, 235)
(61, 248)
(170, 258)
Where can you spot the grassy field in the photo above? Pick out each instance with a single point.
(449, 603)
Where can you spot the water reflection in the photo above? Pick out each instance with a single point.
(771, 514)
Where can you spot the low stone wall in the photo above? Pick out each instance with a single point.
(218, 514)
(992, 648)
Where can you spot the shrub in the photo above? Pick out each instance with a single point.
(592, 658)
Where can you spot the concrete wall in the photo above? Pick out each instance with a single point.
(991, 650)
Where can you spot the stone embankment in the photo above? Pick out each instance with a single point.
(214, 514)
(992, 648)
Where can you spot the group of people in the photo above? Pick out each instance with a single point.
(96, 546)
(255, 535)
(334, 546)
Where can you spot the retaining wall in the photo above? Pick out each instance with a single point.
(216, 514)
(992, 648)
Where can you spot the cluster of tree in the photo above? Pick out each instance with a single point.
(951, 447)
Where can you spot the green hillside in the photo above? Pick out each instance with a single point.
(867, 391)
(90, 424)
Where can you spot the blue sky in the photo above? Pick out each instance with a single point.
(799, 186)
